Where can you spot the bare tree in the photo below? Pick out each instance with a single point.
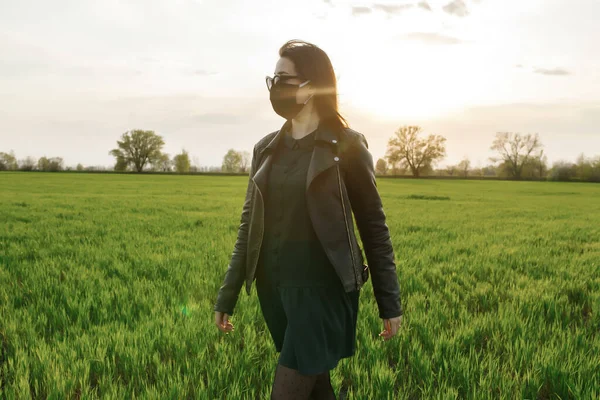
(413, 152)
(515, 151)
(137, 147)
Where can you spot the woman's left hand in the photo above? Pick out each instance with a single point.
(391, 326)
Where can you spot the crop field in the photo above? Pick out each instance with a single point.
(107, 284)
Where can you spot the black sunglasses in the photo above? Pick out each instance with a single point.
(272, 81)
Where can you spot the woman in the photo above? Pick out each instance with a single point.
(296, 236)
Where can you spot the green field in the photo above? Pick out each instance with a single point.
(107, 284)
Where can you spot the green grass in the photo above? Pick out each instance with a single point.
(500, 286)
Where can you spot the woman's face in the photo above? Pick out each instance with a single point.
(287, 73)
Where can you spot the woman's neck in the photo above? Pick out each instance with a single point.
(305, 122)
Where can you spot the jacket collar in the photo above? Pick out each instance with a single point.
(324, 156)
(323, 134)
(306, 142)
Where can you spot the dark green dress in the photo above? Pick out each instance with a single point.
(312, 320)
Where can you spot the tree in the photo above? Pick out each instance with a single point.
(56, 164)
(413, 152)
(195, 164)
(8, 161)
(121, 165)
(27, 164)
(79, 167)
(394, 163)
(232, 161)
(539, 165)
(245, 162)
(464, 165)
(587, 169)
(451, 169)
(381, 166)
(162, 163)
(50, 164)
(43, 164)
(426, 170)
(182, 162)
(477, 171)
(562, 171)
(595, 162)
(489, 170)
(515, 151)
(97, 168)
(137, 148)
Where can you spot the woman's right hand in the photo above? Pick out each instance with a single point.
(222, 322)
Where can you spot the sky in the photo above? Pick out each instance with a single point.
(76, 74)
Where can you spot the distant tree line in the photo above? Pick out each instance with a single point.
(408, 153)
(139, 150)
(518, 157)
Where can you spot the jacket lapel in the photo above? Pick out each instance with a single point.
(324, 154)
(261, 176)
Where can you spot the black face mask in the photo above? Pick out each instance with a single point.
(283, 99)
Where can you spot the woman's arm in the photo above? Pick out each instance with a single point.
(236, 271)
(374, 233)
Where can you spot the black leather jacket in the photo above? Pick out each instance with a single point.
(340, 180)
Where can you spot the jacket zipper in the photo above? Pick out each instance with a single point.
(262, 229)
(347, 228)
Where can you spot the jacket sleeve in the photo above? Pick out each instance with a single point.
(236, 272)
(374, 233)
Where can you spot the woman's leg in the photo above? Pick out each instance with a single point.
(323, 389)
(289, 384)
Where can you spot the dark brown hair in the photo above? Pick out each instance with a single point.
(313, 63)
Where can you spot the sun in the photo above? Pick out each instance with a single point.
(388, 98)
(388, 87)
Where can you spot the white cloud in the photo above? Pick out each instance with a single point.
(359, 10)
(552, 71)
(456, 7)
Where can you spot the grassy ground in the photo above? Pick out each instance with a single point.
(107, 284)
